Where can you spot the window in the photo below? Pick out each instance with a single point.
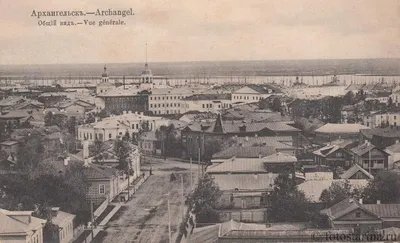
(358, 214)
(203, 105)
(102, 189)
(109, 135)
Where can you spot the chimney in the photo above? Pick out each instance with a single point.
(85, 149)
(378, 201)
(54, 211)
(66, 161)
(360, 201)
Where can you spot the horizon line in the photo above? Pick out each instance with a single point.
(209, 61)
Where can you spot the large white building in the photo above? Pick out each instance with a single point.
(114, 126)
(206, 103)
(253, 93)
(169, 100)
(378, 119)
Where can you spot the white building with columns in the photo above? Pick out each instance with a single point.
(111, 127)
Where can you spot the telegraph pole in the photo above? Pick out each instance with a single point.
(169, 223)
(191, 175)
(183, 198)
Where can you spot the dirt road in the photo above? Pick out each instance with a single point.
(145, 217)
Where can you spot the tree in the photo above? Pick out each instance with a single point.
(276, 105)
(287, 204)
(361, 95)
(169, 143)
(103, 114)
(126, 136)
(385, 187)
(66, 191)
(71, 125)
(390, 102)
(204, 199)
(29, 154)
(336, 193)
(122, 151)
(48, 119)
(349, 98)
(98, 148)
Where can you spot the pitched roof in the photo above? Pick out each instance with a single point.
(362, 149)
(314, 188)
(209, 97)
(150, 135)
(279, 142)
(238, 165)
(232, 231)
(62, 218)
(354, 169)
(244, 152)
(348, 205)
(342, 208)
(10, 225)
(279, 158)
(98, 172)
(384, 210)
(341, 128)
(395, 148)
(245, 181)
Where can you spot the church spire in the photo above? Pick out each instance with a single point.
(219, 125)
(146, 52)
(105, 72)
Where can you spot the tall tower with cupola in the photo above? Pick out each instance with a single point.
(146, 77)
(104, 75)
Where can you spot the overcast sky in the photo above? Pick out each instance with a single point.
(202, 30)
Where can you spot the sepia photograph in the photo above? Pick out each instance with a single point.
(188, 121)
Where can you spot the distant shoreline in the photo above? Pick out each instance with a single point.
(308, 67)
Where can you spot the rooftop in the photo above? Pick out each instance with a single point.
(340, 128)
(245, 181)
(208, 97)
(19, 223)
(244, 152)
(354, 169)
(279, 158)
(314, 188)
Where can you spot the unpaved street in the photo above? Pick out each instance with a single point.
(145, 217)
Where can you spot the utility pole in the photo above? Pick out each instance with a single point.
(169, 223)
(191, 175)
(91, 212)
(183, 199)
(198, 164)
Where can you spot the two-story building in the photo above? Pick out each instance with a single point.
(164, 101)
(370, 158)
(335, 154)
(111, 127)
(196, 135)
(20, 227)
(253, 93)
(362, 218)
(65, 222)
(331, 132)
(206, 103)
